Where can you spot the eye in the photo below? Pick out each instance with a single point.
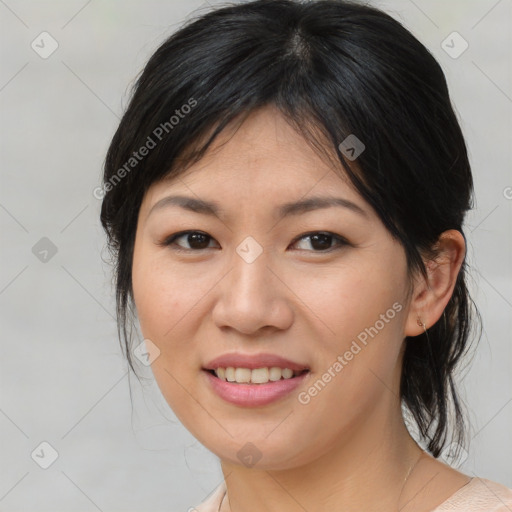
(321, 241)
(196, 240)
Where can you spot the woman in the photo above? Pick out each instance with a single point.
(284, 199)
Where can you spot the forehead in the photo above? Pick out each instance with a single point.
(263, 154)
(259, 168)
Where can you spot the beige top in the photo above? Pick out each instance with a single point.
(478, 495)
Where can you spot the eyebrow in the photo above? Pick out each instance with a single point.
(292, 208)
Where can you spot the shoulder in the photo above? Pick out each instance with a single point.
(479, 495)
(212, 503)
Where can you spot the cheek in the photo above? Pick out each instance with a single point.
(154, 301)
(162, 295)
(363, 310)
(171, 303)
(351, 298)
(163, 310)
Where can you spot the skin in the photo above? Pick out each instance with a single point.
(348, 448)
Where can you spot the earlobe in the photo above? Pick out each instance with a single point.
(432, 294)
(415, 324)
(420, 322)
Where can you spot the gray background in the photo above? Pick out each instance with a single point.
(63, 379)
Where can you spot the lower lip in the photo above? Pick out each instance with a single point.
(253, 395)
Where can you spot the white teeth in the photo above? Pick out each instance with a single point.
(230, 374)
(287, 373)
(242, 375)
(259, 376)
(275, 373)
(256, 376)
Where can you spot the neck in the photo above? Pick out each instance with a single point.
(353, 475)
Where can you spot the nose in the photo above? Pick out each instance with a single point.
(252, 298)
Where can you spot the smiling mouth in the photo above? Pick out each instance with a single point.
(247, 376)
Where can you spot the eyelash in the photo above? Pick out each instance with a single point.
(170, 241)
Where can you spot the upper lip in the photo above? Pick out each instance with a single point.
(253, 361)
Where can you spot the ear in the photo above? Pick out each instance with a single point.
(430, 296)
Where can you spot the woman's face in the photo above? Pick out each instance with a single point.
(324, 287)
